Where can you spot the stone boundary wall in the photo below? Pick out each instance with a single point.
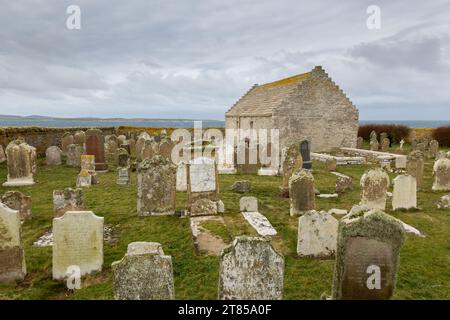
(41, 138)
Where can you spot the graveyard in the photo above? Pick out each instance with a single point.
(423, 271)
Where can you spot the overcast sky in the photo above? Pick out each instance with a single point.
(195, 58)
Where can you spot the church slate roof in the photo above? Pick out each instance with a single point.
(262, 100)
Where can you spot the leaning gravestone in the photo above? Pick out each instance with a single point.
(73, 155)
(250, 269)
(367, 256)
(305, 150)
(415, 166)
(95, 145)
(16, 200)
(21, 164)
(441, 174)
(77, 241)
(301, 192)
(292, 162)
(66, 141)
(202, 180)
(405, 192)
(67, 200)
(53, 156)
(2, 154)
(156, 187)
(317, 235)
(144, 273)
(12, 256)
(374, 184)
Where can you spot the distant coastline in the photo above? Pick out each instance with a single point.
(50, 122)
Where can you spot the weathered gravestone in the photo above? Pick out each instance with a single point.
(203, 207)
(367, 256)
(317, 235)
(140, 143)
(202, 180)
(343, 182)
(301, 192)
(66, 141)
(67, 200)
(415, 166)
(405, 192)
(16, 200)
(373, 135)
(165, 149)
(360, 143)
(21, 163)
(95, 145)
(77, 241)
(374, 184)
(73, 155)
(250, 269)
(79, 138)
(2, 154)
(144, 273)
(441, 175)
(305, 151)
(156, 187)
(53, 156)
(84, 179)
(242, 186)
(181, 176)
(385, 143)
(383, 136)
(121, 139)
(292, 162)
(433, 149)
(12, 256)
(248, 204)
(123, 170)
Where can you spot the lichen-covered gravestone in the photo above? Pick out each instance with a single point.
(343, 182)
(144, 273)
(16, 200)
(95, 145)
(53, 156)
(73, 155)
(404, 195)
(415, 166)
(317, 235)
(385, 143)
(21, 163)
(77, 241)
(292, 162)
(250, 269)
(242, 186)
(87, 162)
(374, 184)
(367, 256)
(12, 256)
(301, 192)
(202, 180)
(248, 204)
(67, 200)
(441, 174)
(156, 187)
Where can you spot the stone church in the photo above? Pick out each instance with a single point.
(309, 106)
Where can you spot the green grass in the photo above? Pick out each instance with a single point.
(424, 264)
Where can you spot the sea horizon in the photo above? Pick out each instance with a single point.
(41, 121)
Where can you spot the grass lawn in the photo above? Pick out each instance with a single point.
(424, 263)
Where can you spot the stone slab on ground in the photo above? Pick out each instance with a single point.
(260, 223)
